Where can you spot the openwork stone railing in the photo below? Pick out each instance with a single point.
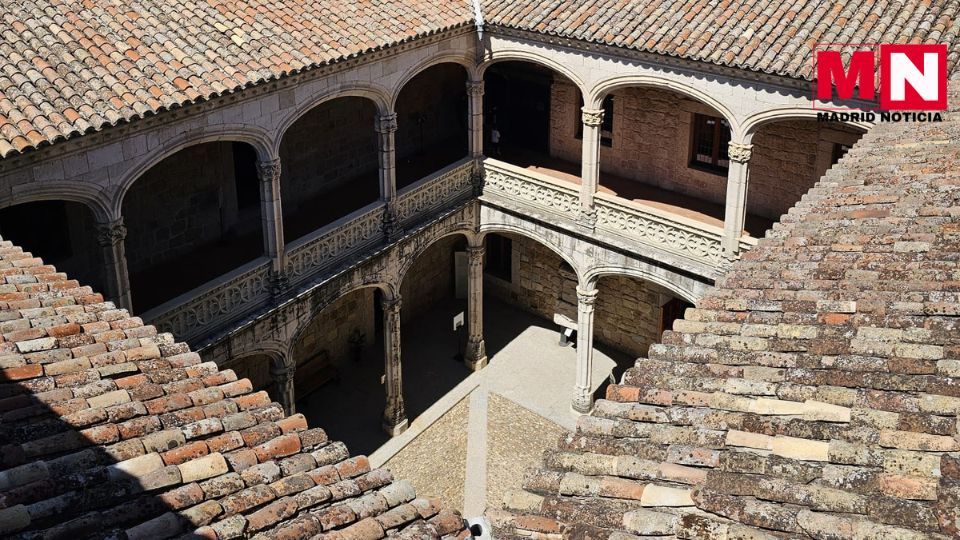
(191, 314)
(232, 296)
(334, 243)
(438, 190)
(639, 225)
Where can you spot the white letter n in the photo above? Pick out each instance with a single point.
(903, 70)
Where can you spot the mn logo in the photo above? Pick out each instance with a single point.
(912, 77)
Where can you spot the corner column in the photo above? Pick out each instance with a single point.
(735, 214)
(271, 218)
(111, 236)
(583, 396)
(394, 415)
(283, 380)
(590, 162)
(387, 158)
(476, 354)
(475, 96)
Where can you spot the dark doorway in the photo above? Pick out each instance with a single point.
(517, 104)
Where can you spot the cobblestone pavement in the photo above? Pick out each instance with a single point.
(436, 461)
(516, 440)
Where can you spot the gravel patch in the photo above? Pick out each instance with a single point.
(436, 461)
(516, 440)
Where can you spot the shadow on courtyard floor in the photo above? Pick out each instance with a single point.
(350, 409)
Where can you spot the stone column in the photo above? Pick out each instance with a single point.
(475, 95)
(590, 163)
(476, 355)
(271, 218)
(111, 237)
(394, 415)
(386, 129)
(583, 398)
(283, 380)
(738, 179)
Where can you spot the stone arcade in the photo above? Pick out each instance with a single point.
(289, 191)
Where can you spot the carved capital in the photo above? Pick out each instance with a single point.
(269, 171)
(112, 233)
(475, 255)
(586, 298)
(591, 117)
(283, 374)
(475, 88)
(739, 153)
(391, 305)
(386, 123)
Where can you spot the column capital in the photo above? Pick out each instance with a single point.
(739, 152)
(111, 233)
(283, 372)
(391, 305)
(591, 117)
(386, 122)
(475, 88)
(269, 171)
(586, 297)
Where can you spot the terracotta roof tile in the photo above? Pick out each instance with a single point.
(758, 35)
(110, 429)
(108, 52)
(813, 394)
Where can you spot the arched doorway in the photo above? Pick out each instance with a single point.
(190, 218)
(62, 233)
(431, 122)
(329, 165)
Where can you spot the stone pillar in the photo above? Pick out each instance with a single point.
(283, 379)
(475, 95)
(476, 355)
(386, 129)
(271, 218)
(583, 398)
(394, 415)
(590, 163)
(738, 179)
(111, 237)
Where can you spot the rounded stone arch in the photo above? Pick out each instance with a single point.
(273, 350)
(600, 90)
(519, 231)
(410, 258)
(379, 95)
(754, 122)
(446, 58)
(94, 198)
(389, 290)
(259, 139)
(508, 55)
(594, 274)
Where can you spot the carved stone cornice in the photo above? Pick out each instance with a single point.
(739, 153)
(386, 123)
(591, 117)
(112, 233)
(269, 171)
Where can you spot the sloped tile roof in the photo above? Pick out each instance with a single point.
(813, 394)
(762, 35)
(69, 67)
(111, 430)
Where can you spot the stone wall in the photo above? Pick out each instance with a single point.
(186, 201)
(430, 279)
(627, 309)
(788, 159)
(651, 143)
(332, 144)
(333, 329)
(431, 119)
